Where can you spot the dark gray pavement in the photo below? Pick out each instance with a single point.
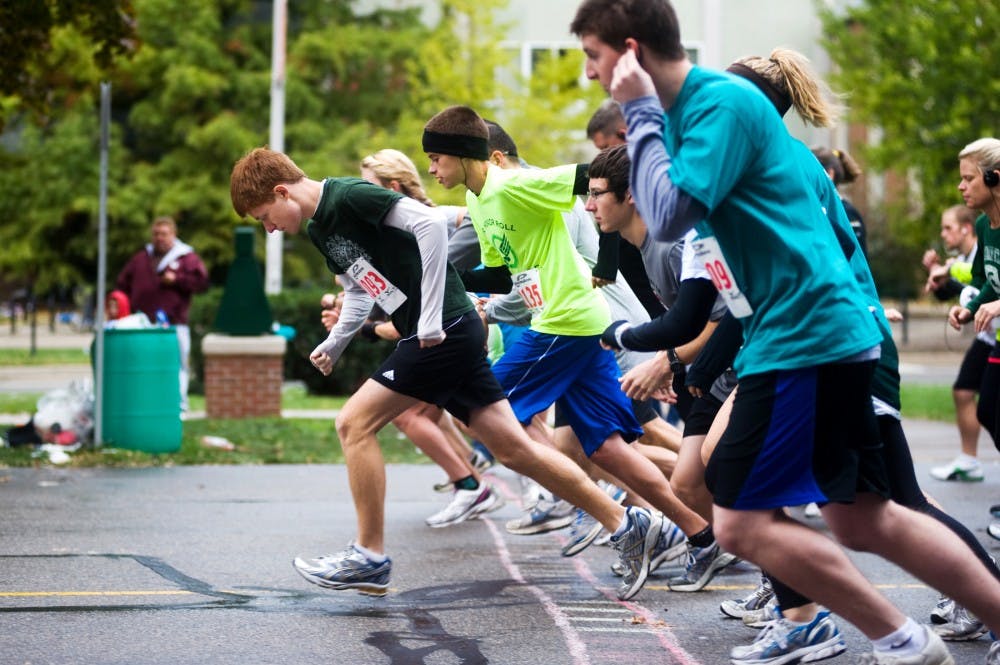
(192, 565)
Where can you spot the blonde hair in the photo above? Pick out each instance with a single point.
(389, 165)
(792, 75)
(986, 152)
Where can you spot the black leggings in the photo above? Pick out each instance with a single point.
(988, 410)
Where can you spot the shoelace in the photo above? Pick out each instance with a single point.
(776, 631)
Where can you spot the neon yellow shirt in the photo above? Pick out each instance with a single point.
(518, 218)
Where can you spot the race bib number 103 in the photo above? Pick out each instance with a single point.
(385, 293)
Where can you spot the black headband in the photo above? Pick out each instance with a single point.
(459, 145)
(781, 101)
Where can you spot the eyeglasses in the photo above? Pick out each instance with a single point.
(597, 193)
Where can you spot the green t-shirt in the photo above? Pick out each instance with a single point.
(987, 261)
(348, 226)
(518, 218)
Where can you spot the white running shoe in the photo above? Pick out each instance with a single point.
(933, 653)
(466, 505)
(963, 467)
(545, 516)
(738, 608)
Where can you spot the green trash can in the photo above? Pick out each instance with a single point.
(141, 405)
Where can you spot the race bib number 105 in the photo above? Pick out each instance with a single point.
(709, 254)
(385, 293)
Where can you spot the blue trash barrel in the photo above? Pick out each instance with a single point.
(141, 394)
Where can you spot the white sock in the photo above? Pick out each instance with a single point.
(621, 527)
(908, 639)
(370, 555)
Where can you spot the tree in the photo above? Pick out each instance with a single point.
(30, 78)
(194, 96)
(919, 72)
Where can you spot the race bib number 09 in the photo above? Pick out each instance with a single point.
(385, 293)
(708, 253)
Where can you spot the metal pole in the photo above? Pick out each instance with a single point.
(102, 267)
(272, 267)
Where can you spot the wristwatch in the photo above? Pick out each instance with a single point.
(676, 364)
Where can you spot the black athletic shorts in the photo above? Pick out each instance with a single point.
(701, 415)
(799, 436)
(970, 373)
(454, 375)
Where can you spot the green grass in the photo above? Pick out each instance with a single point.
(294, 397)
(22, 357)
(314, 441)
(257, 441)
(928, 402)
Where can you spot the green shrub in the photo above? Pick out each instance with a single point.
(299, 309)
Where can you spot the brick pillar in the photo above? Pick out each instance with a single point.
(243, 375)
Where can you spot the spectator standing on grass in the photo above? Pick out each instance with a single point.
(160, 280)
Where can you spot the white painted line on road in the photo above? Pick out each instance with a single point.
(627, 631)
(645, 618)
(577, 649)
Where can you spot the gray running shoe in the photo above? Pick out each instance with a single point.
(466, 505)
(635, 548)
(782, 642)
(582, 534)
(993, 656)
(944, 611)
(349, 569)
(933, 653)
(963, 627)
(702, 565)
(763, 616)
(586, 529)
(671, 546)
(618, 568)
(543, 517)
(759, 597)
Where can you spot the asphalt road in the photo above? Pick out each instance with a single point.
(192, 565)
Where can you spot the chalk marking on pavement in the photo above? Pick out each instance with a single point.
(737, 587)
(577, 649)
(649, 620)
